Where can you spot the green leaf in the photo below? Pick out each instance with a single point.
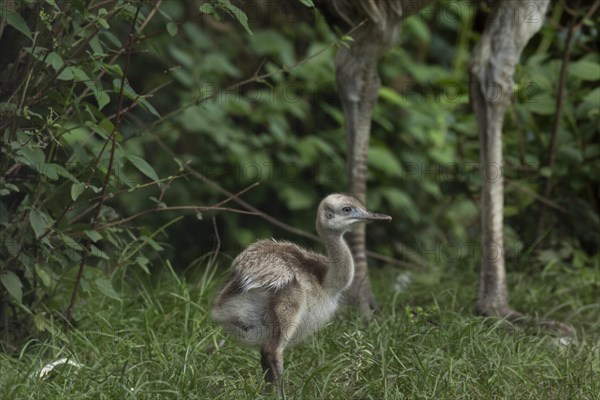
(69, 242)
(543, 104)
(128, 11)
(207, 8)
(585, 70)
(419, 29)
(31, 156)
(65, 75)
(43, 275)
(7, 108)
(98, 253)
(545, 172)
(95, 236)
(112, 38)
(127, 89)
(184, 57)
(570, 154)
(236, 13)
(11, 246)
(593, 97)
(73, 73)
(15, 20)
(106, 126)
(510, 211)
(62, 171)
(113, 69)
(54, 60)
(149, 107)
(103, 23)
(49, 170)
(41, 323)
(106, 288)
(297, 198)
(443, 155)
(97, 48)
(155, 246)
(39, 222)
(167, 16)
(401, 201)
(102, 98)
(384, 160)
(395, 98)
(143, 166)
(143, 263)
(307, 3)
(76, 190)
(13, 285)
(172, 28)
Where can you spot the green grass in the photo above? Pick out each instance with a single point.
(425, 343)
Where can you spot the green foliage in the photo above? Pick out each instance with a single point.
(64, 153)
(87, 186)
(424, 119)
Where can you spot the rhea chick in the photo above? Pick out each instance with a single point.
(278, 293)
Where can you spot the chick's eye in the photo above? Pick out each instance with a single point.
(346, 209)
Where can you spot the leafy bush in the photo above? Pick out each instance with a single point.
(70, 162)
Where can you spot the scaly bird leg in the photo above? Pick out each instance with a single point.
(492, 67)
(358, 85)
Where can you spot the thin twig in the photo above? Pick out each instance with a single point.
(137, 101)
(173, 208)
(215, 207)
(164, 189)
(574, 26)
(137, 187)
(150, 16)
(101, 4)
(269, 218)
(575, 13)
(237, 195)
(215, 253)
(535, 195)
(69, 206)
(520, 131)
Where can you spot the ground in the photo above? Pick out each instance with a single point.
(424, 343)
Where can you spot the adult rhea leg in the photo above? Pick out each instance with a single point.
(492, 66)
(358, 85)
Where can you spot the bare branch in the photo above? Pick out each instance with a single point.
(216, 207)
(173, 208)
(574, 26)
(271, 219)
